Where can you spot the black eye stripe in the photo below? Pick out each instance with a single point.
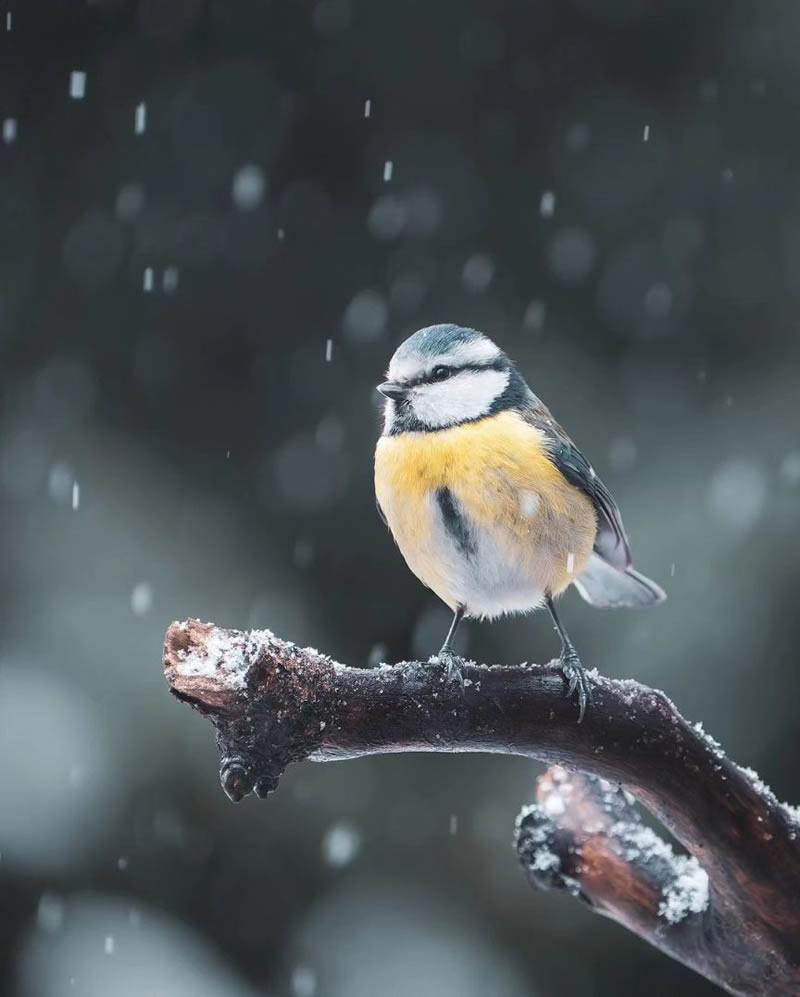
(499, 364)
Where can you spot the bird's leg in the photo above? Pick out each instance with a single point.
(447, 655)
(574, 672)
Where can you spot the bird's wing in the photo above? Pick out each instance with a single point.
(611, 543)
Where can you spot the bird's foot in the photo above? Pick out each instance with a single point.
(452, 663)
(576, 678)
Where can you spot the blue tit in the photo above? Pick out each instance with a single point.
(492, 505)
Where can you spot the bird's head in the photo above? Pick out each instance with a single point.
(445, 375)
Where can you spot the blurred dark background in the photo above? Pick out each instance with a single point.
(219, 218)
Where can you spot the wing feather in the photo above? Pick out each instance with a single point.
(611, 543)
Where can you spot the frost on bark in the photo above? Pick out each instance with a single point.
(729, 907)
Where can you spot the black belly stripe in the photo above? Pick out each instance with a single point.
(455, 522)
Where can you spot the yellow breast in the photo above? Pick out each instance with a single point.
(504, 481)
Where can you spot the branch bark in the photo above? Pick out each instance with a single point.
(730, 910)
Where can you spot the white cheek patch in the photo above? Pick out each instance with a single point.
(464, 396)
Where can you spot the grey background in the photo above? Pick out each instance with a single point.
(648, 290)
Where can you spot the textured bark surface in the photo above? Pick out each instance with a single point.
(733, 914)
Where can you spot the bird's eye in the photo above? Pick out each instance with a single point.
(440, 372)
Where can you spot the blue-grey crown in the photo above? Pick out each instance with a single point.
(437, 339)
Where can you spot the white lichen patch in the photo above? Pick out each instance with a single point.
(554, 805)
(221, 654)
(225, 654)
(545, 861)
(688, 892)
(641, 844)
(539, 855)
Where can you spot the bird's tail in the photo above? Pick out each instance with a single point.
(600, 584)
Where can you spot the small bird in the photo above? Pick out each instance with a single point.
(492, 505)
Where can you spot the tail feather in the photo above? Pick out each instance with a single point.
(600, 584)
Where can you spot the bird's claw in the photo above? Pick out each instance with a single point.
(452, 663)
(577, 679)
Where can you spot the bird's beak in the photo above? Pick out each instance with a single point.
(393, 390)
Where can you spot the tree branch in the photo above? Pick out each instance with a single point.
(731, 911)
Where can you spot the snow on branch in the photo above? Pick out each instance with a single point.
(728, 908)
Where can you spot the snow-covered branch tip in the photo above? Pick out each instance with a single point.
(585, 836)
(273, 703)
